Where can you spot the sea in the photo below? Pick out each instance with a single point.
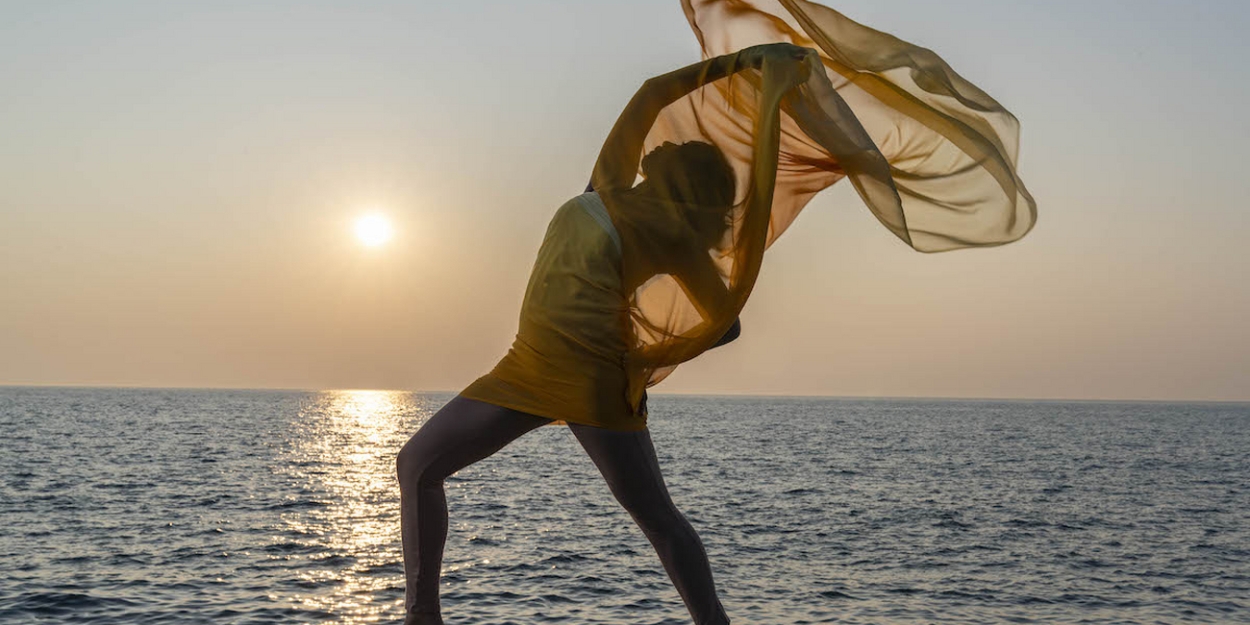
(133, 506)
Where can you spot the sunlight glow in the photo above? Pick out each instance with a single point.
(344, 463)
(373, 229)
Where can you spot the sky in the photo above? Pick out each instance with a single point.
(179, 182)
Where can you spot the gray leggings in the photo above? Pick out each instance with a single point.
(465, 431)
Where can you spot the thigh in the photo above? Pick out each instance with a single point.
(628, 463)
(463, 432)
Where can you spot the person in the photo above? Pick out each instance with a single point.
(569, 360)
(635, 278)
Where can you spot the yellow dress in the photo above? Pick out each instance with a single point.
(567, 362)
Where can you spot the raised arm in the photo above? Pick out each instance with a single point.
(617, 166)
(696, 274)
(688, 262)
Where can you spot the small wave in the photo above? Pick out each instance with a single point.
(837, 594)
(63, 603)
(300, 504)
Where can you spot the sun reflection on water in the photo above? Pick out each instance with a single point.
(347, 515)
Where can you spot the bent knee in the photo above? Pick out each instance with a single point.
(412, 466)
(669, 529)
(653, 517)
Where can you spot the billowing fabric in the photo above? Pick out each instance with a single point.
(709, 164)
(932, 156)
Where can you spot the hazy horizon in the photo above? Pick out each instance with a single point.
(180, 184)
(652, 391)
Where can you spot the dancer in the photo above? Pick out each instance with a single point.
(567, 361)
(633, 279)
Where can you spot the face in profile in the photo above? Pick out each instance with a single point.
(696, 176)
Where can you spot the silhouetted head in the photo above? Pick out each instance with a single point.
(696, 175)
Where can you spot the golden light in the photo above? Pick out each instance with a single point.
(373, 229)
(345, 454)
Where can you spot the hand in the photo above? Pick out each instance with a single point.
(755, 56)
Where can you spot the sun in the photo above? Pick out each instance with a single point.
(373, 229)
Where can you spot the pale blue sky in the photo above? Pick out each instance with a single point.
(178, 181)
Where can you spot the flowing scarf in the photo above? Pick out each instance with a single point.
(931, 155)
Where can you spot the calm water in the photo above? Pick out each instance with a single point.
(151, 506)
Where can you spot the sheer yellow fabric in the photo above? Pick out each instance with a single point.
(932, 156)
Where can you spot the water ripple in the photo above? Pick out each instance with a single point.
(154, 506)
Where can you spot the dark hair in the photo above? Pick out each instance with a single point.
(696, 175)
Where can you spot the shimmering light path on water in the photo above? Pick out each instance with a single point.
(153, 506)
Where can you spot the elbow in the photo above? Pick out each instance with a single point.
(731, 334)
(646, 94)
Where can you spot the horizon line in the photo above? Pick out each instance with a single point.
(4, 385)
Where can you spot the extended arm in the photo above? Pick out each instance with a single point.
(618, 161)
(702, 282)
(617, 166)
(698, 277)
